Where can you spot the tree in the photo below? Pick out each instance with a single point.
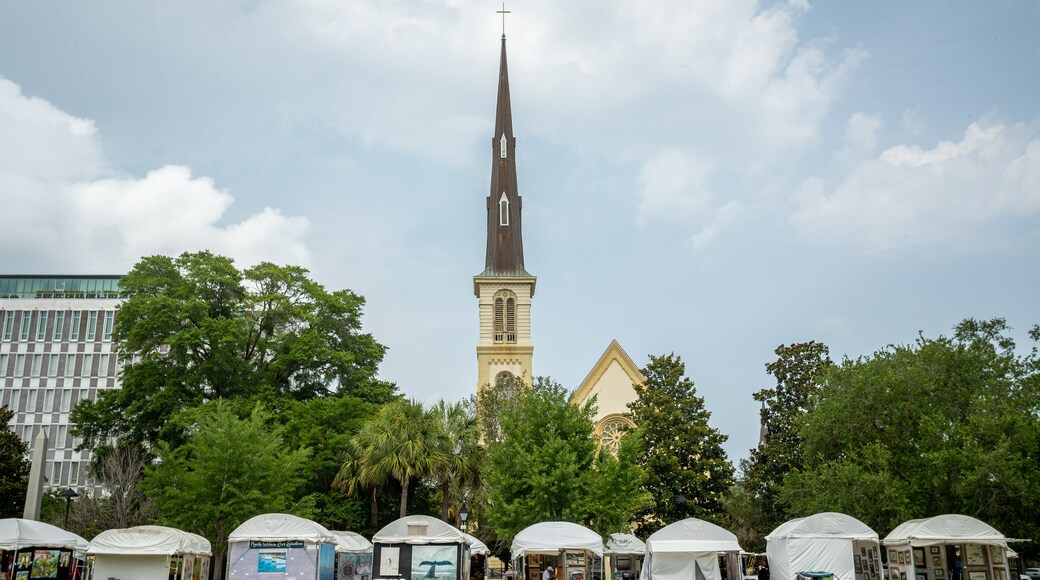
(682, 454)
(943, 425)
(798, 369)
(228, 470)
(120, 472)
(462, 456)
(196, 329)
(539, 467)
(617, 488)
(14, 469)
(402, 441)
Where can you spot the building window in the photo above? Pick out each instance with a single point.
(59, 322)
(30, 403)
(503, 378)
(3, 365)
(41, 326)
(37, 364)
(19, 366)
(55, 473)
(503, 210)
(48, 401)
(103, 366)
(66, 400)
(505, 147)
(505, 317)
(88, 365)
(26, 319)
(63, 433)
(611, 432)
(91, 325)
(8, 324)
(27, 434)
(74, 473)
(70, 365)
(74, 327)
(16, 400)
(52, 365)
(109, 318)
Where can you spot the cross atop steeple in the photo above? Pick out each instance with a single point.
(503, 12)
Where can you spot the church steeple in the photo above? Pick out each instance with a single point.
(504, 289)
(505, 244)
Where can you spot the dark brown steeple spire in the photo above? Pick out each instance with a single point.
(505, 245)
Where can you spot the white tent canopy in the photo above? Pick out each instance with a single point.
(624, 544)
(275, 527)
(476, 547)
(420, 530)
(945, 529)
(553, 537)
(351, 543)
(687, 549)
(16, 533)
(826, 541)
(149, 540)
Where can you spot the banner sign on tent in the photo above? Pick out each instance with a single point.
(262, 544)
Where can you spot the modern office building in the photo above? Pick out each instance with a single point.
(56, 350)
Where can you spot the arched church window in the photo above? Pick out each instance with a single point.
(504, 146)
(503, 378)
(503, 210)
(610, 434)
(505, 316)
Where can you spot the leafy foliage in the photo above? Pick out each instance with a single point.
(14, 469)
(682, 454)
(798, 369)
(944, 425)
(228, 470)
(195, 329)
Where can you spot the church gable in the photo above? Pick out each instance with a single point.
(610, 380)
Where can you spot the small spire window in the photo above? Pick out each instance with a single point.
(505, 317)
(505, 147)
(503, 210)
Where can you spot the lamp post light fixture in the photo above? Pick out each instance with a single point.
(68, 494)
(680, 502)
(463, 515)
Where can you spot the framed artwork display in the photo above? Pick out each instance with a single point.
(432, 561)
(863, 551)
(390, 561)
(1000, 574)
(975, 555)
(936, 561)
(532, 560)
(919, 556)
(996, 555)
(900, 559)
(922, 577)
(893, 573)
(937, 572)
(935, 549)
(891, 556)
(902, 576)
(978, 575)
(533, 574)
(856, 563)
(575, 559)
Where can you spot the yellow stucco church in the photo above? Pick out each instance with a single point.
(505, 289)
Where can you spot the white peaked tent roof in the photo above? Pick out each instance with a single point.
(351, 542)
(476, 547)
(551, 537)
(824, 525)
(16, 533)
(692, 535)
(943, 529)
(157, 540)
(624, 544)
(274, 527)
(420, 530)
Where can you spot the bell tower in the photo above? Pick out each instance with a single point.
(504, 289)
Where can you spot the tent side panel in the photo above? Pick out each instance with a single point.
(131, 567)
(246, 562)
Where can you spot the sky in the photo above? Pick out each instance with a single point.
(712, 178)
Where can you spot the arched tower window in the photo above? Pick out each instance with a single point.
(503, 378)
(503, 210)
(505, 148)
(505, 317)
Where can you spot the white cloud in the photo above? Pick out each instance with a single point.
(722, 219)
(67, 208)
(674, 185)
(909, 195)
(860, 136)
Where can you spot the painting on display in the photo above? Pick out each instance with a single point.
(996, 554)
(45, 563)
(268, 562)
(919, 556)
(975, 555)
(389, 561)
(435, 561)
(355, 566)
(575, 559)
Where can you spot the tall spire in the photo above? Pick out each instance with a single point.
(505, 246)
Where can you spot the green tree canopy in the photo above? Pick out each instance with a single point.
(196, 328)
(944, 425)
(228, 470)
(682, 454)
(14, 469)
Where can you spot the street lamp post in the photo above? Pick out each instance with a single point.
(463, 515)
(680, 502)
(68, 494)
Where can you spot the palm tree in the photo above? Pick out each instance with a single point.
(401, 441)
(460, 461)
(357, 474)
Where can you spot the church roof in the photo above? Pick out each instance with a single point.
(613, 353)
(505, 245)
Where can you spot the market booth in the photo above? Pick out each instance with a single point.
(31, 549)
(623, 557)
(150, 553)
(691, 549)
(940, 547)
(826, 542)
(281, 546)
(573, 552)
(478, 558)
(353, 556)
(416, 547)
